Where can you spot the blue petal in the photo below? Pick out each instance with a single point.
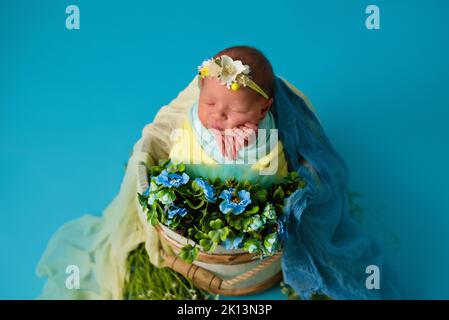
(238, 209)
(208, 190)
(233, 242)
(244, 195)
(185, 178)
(225, 207)
(227, 194)
(176, 211)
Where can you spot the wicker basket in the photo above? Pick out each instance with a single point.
(227, 272)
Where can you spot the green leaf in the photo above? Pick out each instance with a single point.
(166, 196)
(246, 222)
(208, 245)
(269, 212)
(201, 235)
(247, 185)
(191, 232)
(176, 167)
(194, 206)
(220, 234)
(231, 183)
(261, 195)
(163, 162)
(278, 194)
(256, 223)
(189, 253)
(237, 224)
(142, 199)
(195, 187)
(162, 218)
(252, 210)
(269, 242)
(216, 224)
(251, 245)
(181, 167)
(152, 215)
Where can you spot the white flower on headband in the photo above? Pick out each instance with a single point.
(232, 73)
(231, 69)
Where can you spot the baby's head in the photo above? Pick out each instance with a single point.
(221, 108)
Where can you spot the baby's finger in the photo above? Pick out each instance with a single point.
(251, 125)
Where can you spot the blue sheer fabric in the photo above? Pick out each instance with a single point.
(326, 250)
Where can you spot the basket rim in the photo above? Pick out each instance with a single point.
(206, 257)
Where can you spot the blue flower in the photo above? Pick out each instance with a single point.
(208, 190)
(171, 179)
(233, 203)
(233, 242)
(176, 211)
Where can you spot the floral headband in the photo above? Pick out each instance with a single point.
(232, 73)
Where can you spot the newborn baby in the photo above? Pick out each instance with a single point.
(232, 116)
(226, 122)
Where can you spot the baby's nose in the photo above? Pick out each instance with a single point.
(221, 116)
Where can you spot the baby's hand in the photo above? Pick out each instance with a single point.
(232, 140)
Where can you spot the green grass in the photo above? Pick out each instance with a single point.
(147, 282)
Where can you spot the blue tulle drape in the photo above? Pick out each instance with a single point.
(326, 250)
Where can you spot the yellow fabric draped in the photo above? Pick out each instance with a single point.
(187, 149)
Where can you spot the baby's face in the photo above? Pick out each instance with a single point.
(220, 108)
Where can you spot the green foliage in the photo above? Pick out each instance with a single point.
(189, 253)
(144, 281)
(230, 213)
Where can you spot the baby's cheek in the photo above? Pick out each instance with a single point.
(240, 120)
(203, 116)
(251, 119)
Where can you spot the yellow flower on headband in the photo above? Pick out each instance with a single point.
(231, 73)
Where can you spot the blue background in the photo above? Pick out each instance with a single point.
(73, 103)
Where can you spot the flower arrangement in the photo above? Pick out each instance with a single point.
(231, 213)
(231, 73)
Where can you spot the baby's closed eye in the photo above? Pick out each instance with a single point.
(239, 109)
